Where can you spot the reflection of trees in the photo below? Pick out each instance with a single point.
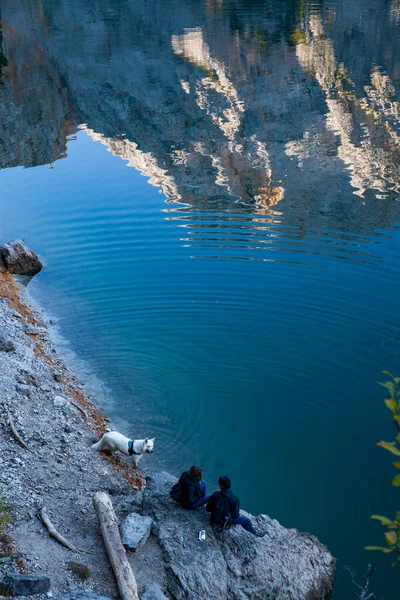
(395, 10)
(3, 59)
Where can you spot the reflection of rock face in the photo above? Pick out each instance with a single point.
(192, 48)
(369, 144)
(34, 107)
(215, 110)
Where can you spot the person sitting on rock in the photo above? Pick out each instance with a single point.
(224, 509)
(192, 489)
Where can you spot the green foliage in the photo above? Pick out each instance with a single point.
(383, 520)
(4, 518)
(390, 446)
(381, 548)
(392, 535)
(298, 36)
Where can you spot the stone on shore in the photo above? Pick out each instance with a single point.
(59, 401)
(154, 592)
(19, 259)
(15, 584)
(27, 377)
(135, 531)
(78, 595)
(33, 330)
(6, 345)
(285, 564)
(25, 390)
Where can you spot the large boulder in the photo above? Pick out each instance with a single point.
(19, 259)
(283, 565)
(15, 584)
(135, 531)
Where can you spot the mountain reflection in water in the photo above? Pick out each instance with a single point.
(257, 113)
(271, 130)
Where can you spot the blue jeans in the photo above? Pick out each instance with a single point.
(245, 523)
(203, 500)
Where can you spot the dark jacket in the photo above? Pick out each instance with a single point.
(221, 505)
(191, 490)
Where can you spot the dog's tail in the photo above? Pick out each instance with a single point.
(97, 445)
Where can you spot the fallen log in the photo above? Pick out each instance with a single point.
(15, 432)
(54, 533)
(116, 552)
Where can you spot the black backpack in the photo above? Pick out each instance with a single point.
(221, 513)
(176, 493)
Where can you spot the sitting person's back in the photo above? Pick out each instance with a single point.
(224, 508)
(193, 488)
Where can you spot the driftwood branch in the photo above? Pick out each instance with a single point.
(79, 408)
(15, 432)
(116, 552)
(54, 533)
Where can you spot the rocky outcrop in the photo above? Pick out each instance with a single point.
(284, 565)
(19, 259)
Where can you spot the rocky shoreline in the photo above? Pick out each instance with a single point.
(58, 471)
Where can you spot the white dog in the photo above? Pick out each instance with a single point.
(112, 441)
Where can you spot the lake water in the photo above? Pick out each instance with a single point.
(214, 188)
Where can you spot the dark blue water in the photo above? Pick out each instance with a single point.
(214, 188)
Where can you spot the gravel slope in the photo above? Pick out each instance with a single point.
(60, 472)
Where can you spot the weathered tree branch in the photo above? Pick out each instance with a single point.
(54, 533)
(15, 432)
(116, 552)
(79, 408)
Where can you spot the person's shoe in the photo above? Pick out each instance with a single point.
(259, 534)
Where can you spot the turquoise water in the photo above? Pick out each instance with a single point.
(214, 190)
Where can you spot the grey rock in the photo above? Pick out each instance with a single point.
(33, 330)
(135, 530)
(19, 259)
(78, 595)
(284, 565)
(25, 585)
(26, 377)
(59, 401)
(25, 390)
(154, 592)
(6, 345)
